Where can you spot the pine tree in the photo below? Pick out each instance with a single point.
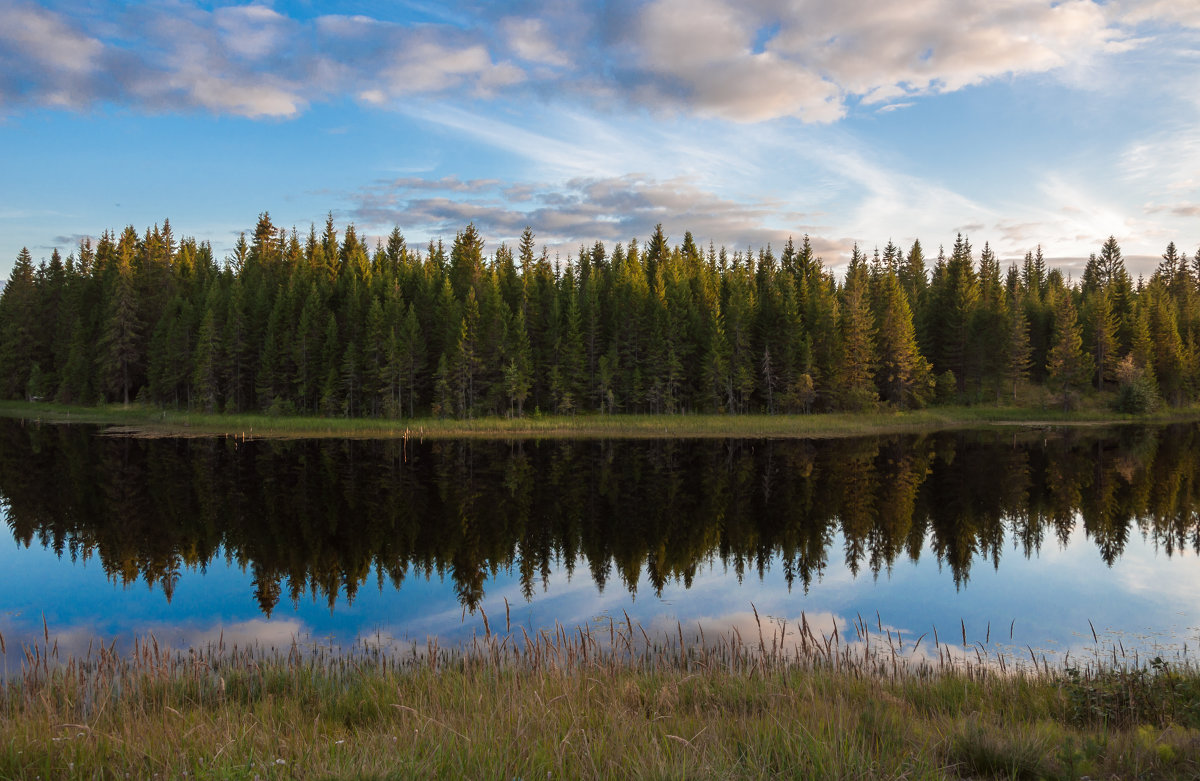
(331, 358)
(464, 364)
(1017, 350)
(122, 332)
(17, 306)
(954, 294)
(1167, 346)
(859, 357)
(902, 369)
(1068, 366)
(306, 351)
(376, 372)
(717, 377)
(1102, 332)
(518, 374)
(410, 360)
(443, 394)
(206, 373)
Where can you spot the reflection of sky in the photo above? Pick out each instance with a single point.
(1144, 598)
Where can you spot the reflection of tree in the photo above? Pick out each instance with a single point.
(322, 518)
(858, 481)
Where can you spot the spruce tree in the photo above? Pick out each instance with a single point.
(18, 303)
(1017, 350)
(1068, 366)
(902, 369)
(122, 332)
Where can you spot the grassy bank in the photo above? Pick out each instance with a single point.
(594, 703)
(147, 421)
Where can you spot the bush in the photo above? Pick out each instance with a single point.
(281, 408)
(1138, 392)
(946, 388)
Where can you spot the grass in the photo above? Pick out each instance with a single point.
(149, 421)
(605, 700)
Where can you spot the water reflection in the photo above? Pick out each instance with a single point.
(325, 518)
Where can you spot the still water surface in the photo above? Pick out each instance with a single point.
(1021, 535)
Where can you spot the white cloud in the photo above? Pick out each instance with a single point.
(740, 61)
(43, 56)
(703, 53)
(428, 66)
(702, 50)
(251, 31)
(44, 36)
(530, 40)
(1181, 12)
(244, 60)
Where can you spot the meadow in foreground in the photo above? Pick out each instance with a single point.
(605, 700)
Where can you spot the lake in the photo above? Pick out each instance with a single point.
(1023, 538)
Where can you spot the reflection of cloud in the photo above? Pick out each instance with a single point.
(821, 634)
(81, 639)
(262, 632)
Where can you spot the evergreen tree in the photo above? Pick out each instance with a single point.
(1017, 350)
(122, 332)
(307, 349)
(206, 374)
(903, 374)
(1167, 347)
(376, 370)
(17, 307)
(1102, 335)
(1068, 365)
(410, 360)
(954, 294)
(518, 374)
(859, 361)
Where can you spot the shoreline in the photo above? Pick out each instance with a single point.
(146, 422)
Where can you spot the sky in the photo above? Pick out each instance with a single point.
(1016, 122)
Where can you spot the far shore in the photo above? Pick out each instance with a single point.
(143, 421)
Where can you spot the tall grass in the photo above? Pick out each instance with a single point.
(147, 421)
(609, 699)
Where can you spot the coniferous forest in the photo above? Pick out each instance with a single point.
(324, 324)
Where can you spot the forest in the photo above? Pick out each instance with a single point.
(326, 325)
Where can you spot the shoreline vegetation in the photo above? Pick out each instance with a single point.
(148, 421)
(609, 699)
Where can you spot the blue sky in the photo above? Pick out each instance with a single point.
(1018, 122)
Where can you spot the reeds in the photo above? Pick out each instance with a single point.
(611, 698)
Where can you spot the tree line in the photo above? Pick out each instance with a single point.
(325, 324)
